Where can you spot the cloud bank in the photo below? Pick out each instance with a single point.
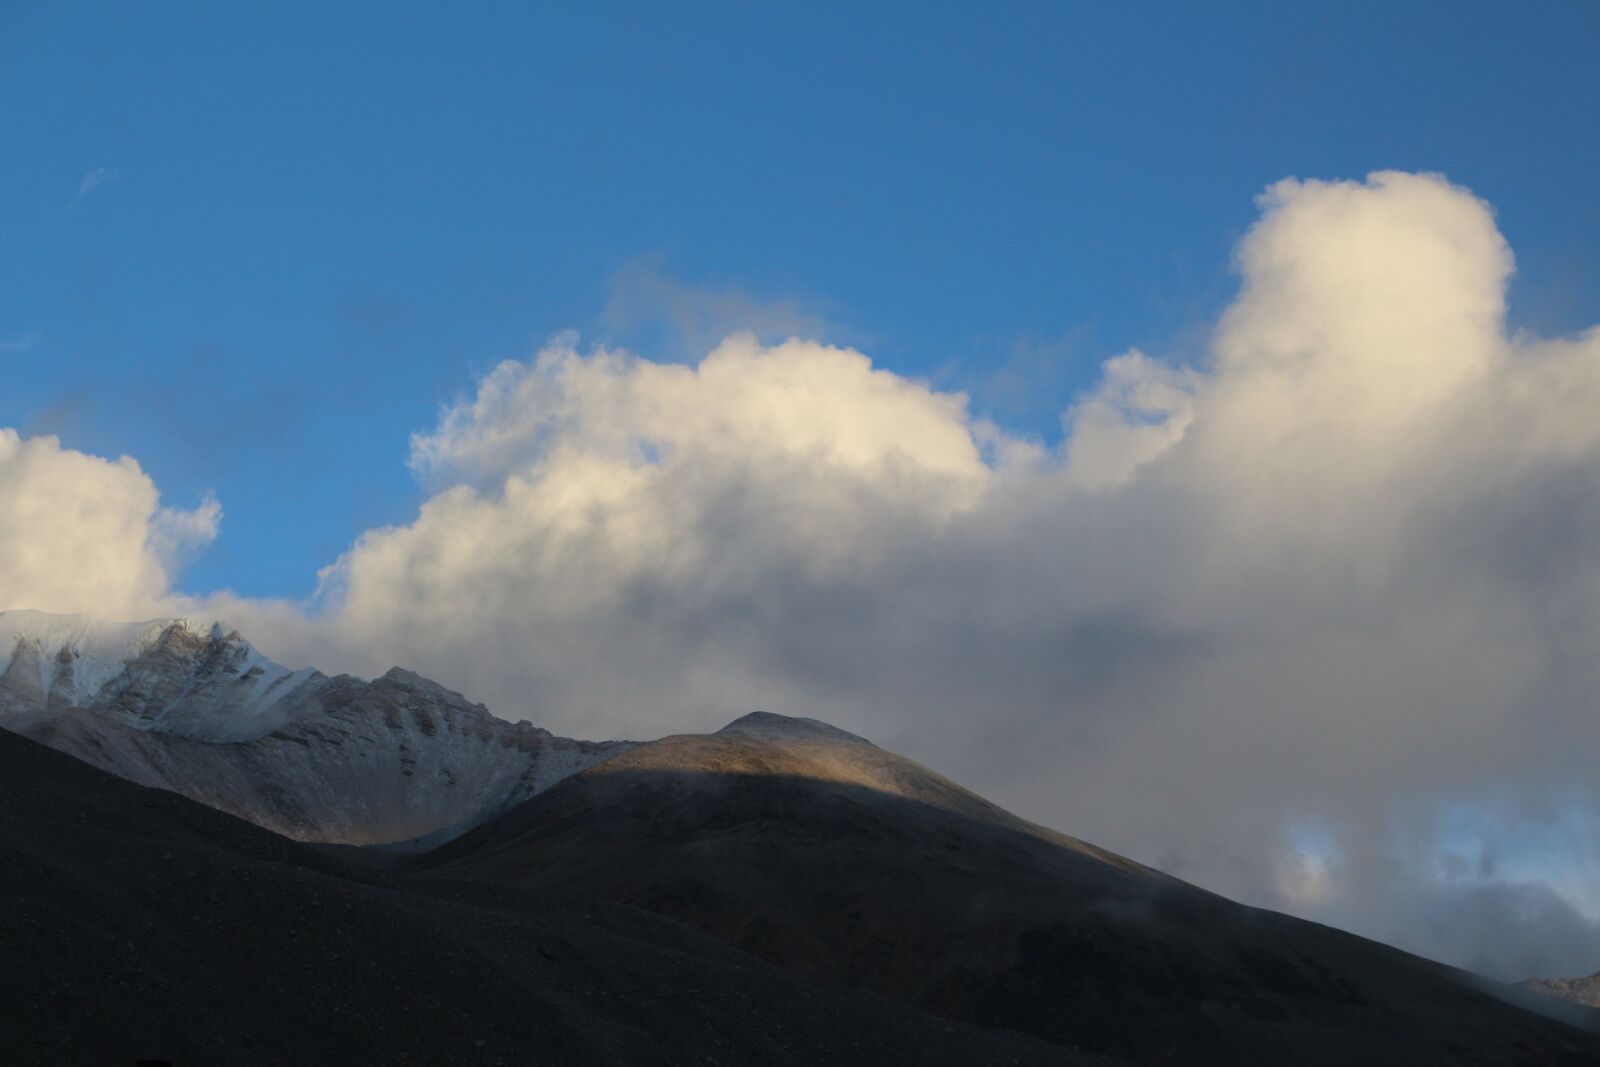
(1309, 617)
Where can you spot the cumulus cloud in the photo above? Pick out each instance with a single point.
(81, 533)
(1339, 567)
(601, 508)
(1140, 408)
(1338, 571)
(796, 402)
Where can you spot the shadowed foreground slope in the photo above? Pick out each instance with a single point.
(818, 851)
(136, 923)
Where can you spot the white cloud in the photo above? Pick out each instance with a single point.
(175, 537)
(1140, 409)
(798, 401)
(81, 533)
(593, 492)
(1345, 569)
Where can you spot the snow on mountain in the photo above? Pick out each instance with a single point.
(97, 649)
(189, 677)
(189, 705)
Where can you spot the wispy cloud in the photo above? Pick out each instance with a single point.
(94, 180)
(678, 318)
(20, 344)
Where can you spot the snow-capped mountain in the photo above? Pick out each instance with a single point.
(178, 676)
(189, 705)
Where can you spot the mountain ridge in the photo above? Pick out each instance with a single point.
(788, 840)
(823, 854)
(189, 705)
(135, 923)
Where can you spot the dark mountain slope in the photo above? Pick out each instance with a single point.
(135, 923)
(815, 850)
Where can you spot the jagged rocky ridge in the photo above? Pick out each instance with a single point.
(192, 707)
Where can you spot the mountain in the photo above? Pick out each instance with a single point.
(136, 924)
(1584, 991)
(779, 891)
(814, 850)
(190, 706)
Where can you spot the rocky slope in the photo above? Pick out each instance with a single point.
(137, 924)
(780, 891)
(1584, 991)
(814, 850)
(191, 707)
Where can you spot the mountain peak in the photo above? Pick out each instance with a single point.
(767, 725)
(83, 633)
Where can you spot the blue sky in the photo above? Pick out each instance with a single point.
(258, 249)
